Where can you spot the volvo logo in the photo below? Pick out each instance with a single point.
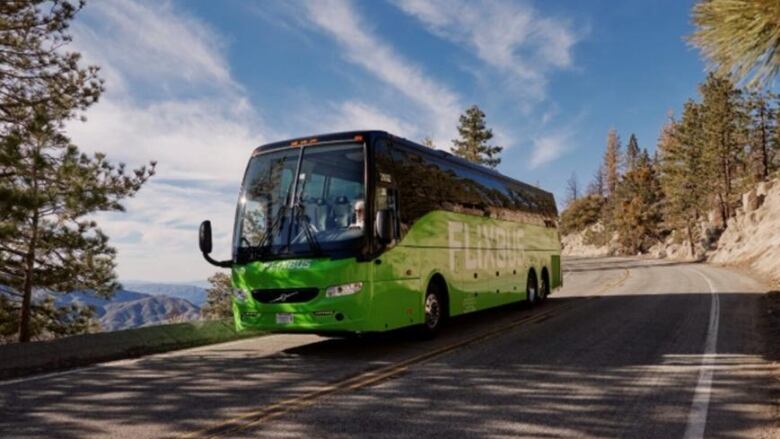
(283, 297)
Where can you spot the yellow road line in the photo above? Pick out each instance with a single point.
(371, 377)
(356, 382)
(623, 278)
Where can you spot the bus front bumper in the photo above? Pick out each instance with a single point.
(299, 319)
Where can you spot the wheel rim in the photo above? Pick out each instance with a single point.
(432, 311)
(531, 292)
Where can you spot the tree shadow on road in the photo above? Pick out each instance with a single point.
(607, 367)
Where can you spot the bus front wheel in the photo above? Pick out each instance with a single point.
(435, 311)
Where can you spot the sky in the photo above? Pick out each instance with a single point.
(196, 85)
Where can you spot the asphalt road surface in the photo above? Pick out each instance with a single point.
(628, 348)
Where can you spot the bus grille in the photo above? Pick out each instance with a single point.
(285, 295)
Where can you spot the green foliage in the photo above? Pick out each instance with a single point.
(723, 125)
(474, 136)
(763, 136)
(681, 150)
(48, 189)
(37, 74)
(740, 37)
(581, 213)
(219, 303)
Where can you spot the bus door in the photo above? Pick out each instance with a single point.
(397, 301)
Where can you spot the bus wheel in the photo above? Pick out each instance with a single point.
(532, 289)
(544, 290)
(434, 311)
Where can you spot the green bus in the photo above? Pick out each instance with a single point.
(361, 232)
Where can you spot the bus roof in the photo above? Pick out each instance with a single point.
(356, 135)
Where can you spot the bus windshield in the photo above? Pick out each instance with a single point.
(325, 215)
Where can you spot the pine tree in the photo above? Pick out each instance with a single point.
(683, 183)
(572, 189)
(49, 191)
(596, 186)
(36, 72)
(48, 239)
(632, 152)
(740, 37)
(474, 136)
(723, 124)
(219, 297)
(638, 205)
(612, 161)
(428, 141)
(761, 136)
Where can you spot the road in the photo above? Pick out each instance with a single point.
(628, 348)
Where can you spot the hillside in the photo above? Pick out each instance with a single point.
(752, 238)
(150, 310)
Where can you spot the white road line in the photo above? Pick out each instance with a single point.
(697, 418)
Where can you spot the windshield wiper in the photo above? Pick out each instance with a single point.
(252, 253)
(308, 229)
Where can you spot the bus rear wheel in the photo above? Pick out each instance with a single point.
(532, 290)
(544, 289)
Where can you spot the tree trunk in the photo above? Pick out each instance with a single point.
(690, 240)
(764, 153)
(24, 321)
(29, 262)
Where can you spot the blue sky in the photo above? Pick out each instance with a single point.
(196, 85)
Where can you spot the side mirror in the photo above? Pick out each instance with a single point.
(385, 225)
(204, 240)
(205, 237)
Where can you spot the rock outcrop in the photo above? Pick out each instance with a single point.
(752, 237)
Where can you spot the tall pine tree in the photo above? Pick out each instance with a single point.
(723, 128)
(474, 137)
(762, 135)
(681, 150)
(49, 191)
(638, 202)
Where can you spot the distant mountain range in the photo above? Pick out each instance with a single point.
(130, 309)
(194, 292)
(137, 304)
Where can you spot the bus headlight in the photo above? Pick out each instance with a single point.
(239, 294)
(344, 290)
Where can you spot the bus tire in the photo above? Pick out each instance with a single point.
(544, 288)
(532, 289)
(434, 310)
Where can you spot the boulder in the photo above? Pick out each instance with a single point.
(763, 187)
(750, 201)
(715, 218)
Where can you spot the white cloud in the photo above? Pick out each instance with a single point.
(548, 148)
(352, 115)
(170, 97)
(511, 37)
(341, 21)
(151, 41)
